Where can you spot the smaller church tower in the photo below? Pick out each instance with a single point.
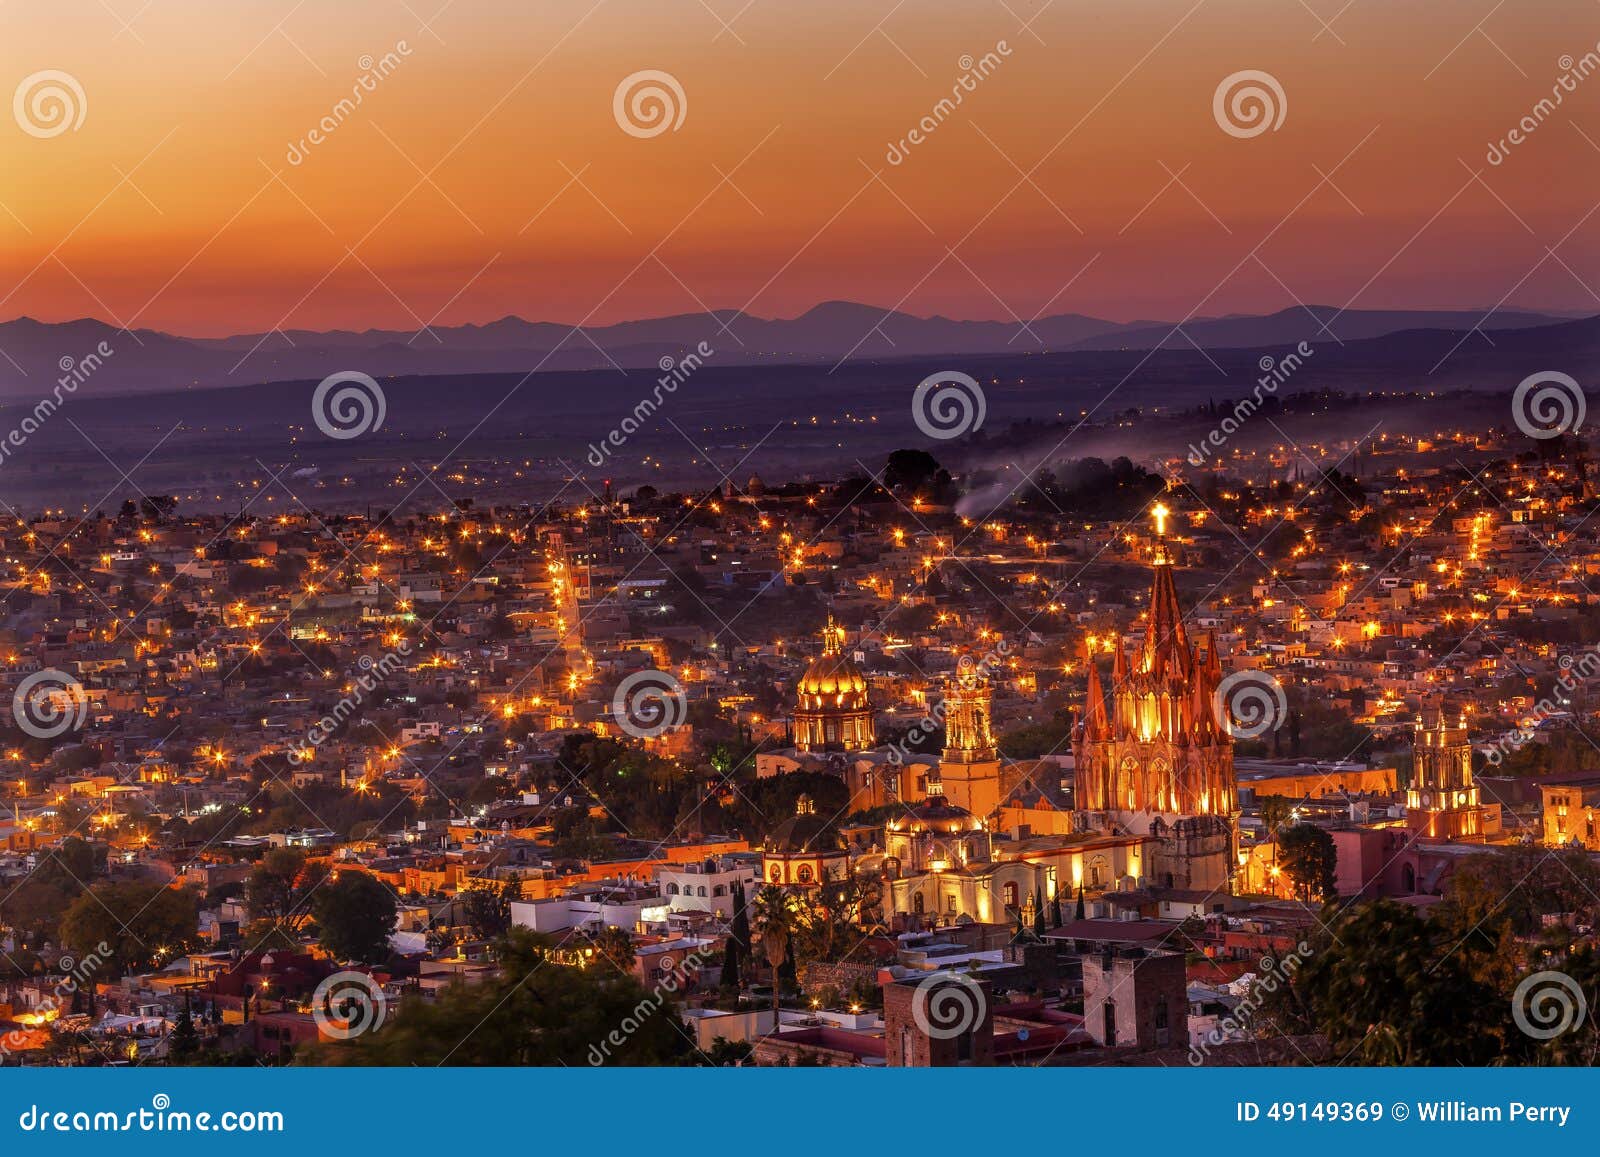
(1442, 801)
(969, 770)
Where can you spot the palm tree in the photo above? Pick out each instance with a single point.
(777, 919)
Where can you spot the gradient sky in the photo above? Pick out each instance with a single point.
(502, 101)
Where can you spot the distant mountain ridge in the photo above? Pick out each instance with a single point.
(144, 361)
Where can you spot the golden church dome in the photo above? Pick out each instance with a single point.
(833, 679)
(832, 711)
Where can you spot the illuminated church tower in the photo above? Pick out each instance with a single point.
(969, 769)
(1442, 801)
(1159, 760)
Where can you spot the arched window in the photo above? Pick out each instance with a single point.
(775, 873)
(702, 891)
(672, 889)
(1010, 894)
(720, 890)
(804, 874)
(918, 905)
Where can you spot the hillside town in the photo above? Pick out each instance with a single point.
(1099, 766)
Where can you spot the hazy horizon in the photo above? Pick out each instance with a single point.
(486, 171)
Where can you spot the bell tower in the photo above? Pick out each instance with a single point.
(1442, 801)
(969, 769)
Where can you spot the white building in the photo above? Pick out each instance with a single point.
(708, 885)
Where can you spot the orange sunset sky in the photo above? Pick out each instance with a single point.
(487, 174)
